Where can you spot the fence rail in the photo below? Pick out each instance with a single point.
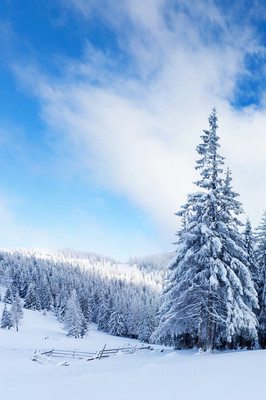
(68, 353)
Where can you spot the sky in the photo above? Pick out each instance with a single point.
(102, 107)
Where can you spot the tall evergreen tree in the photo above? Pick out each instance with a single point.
(261, 259)
(210, 293)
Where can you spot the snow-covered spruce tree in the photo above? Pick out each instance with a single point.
(147, 324)
(85, 302)
(117, 324)
(44, 295)
(61, 304)
(133, 321)
(104, 313)
(6, 320)
(261, 259)
(74, 320)
(23, 283)
(8, 296)
(32, 300)
(209, 293)
(16, 310)
(84, 327)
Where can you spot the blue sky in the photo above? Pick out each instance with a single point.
(102, 106)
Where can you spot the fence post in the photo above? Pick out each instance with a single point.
(101, 353)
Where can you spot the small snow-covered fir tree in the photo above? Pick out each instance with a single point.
(133, 321)
(44, 295)
(84, 327)
(32, 300)
(147, 324)
(8, 296)
(74, 319)
(16, 310)
(117, 324)
(85, 303)
(61, 304)
(210, 293)
(6, 320)
(261, 259)
(23, 284)
(104, 313)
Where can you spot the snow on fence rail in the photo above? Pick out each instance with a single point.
(67, 353)
(45, 357)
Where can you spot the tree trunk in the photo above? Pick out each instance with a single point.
(208, 338)
(200, 344)
(213, 334)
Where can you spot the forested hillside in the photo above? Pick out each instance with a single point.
(83, 287)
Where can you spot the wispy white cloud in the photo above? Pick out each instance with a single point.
(135, 130)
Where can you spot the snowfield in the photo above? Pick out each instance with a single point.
(143, 375)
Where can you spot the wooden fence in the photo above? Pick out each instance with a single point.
(43, 356)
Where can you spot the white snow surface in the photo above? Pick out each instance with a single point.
(170, 374)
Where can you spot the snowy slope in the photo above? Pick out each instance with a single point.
(145, 375)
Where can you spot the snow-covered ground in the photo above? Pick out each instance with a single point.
(145, 375)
